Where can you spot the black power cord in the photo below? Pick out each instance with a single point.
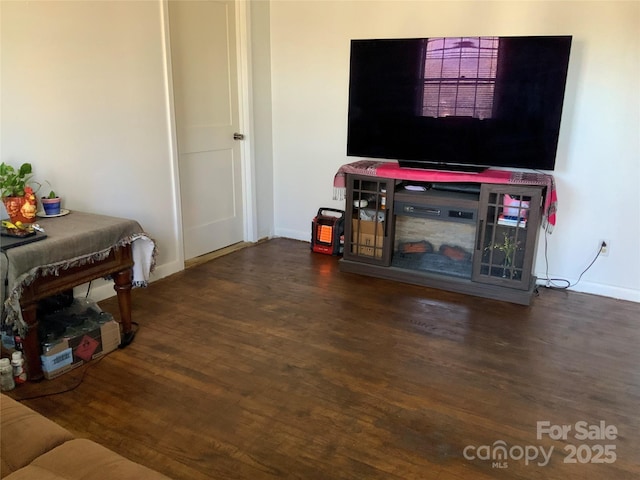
(87, 367)
(68, 389)
(567, 282)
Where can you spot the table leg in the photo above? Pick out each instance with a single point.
(122, 285)
(31, 343)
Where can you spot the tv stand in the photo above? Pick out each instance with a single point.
(478, 240)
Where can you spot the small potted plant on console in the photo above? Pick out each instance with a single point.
(51, 204)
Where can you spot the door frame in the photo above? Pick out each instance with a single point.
(245, 100)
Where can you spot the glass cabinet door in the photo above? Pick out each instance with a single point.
(506, 235)
(368, 221)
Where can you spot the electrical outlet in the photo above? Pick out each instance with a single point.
(605, 246)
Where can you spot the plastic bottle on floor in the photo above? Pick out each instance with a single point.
(19, 375)
(6, 375)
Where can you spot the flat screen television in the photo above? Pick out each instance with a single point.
(459, 103)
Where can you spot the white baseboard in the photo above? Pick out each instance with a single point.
(593, 288)
(608, 291)
(294, 234)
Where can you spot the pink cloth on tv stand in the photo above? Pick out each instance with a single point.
(391, 169)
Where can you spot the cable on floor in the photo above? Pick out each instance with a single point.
(88, 367)
(568, 284)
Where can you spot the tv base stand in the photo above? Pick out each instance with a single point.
(478, 239)
(443, 167)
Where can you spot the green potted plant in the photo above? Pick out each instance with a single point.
(51, 204)
(17, 195)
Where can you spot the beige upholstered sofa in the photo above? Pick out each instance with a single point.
(34, 447)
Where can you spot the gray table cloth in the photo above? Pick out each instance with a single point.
(72, 240)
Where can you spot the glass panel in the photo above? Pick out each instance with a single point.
(432, 245)
(504, 240)
(367, 219)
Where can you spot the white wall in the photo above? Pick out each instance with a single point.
(598, 163)
(262, 113)
(84, 99)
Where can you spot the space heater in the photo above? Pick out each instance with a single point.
(327, 231)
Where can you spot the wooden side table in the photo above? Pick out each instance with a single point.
(79, 248)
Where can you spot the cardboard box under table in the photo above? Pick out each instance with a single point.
(368, 238)
(94, 341)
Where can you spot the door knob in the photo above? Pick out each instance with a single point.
(238, 136)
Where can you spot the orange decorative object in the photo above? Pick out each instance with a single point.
(21, 209)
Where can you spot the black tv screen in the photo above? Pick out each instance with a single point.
(458, 102)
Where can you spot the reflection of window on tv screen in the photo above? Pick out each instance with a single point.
(459, 76)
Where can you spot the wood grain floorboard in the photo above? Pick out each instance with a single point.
(269, 363)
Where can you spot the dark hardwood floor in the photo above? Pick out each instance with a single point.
(270, 363)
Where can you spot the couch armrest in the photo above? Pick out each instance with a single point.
(25, 435)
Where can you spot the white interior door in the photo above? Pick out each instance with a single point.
(204, 72)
